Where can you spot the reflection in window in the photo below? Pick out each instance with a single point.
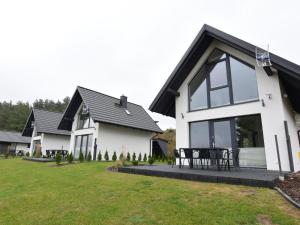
(83, 143)
(219, 97)
(199, 134)
(244, 83)
(249, 131)
(218, 85)
(218, 75)
(198, 92)
(84, 120)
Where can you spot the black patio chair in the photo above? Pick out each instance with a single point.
(233, 158)
(204, 157)
(189, 155)
(176, 155)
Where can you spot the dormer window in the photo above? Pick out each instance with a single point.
(222, 80)
(84, 119)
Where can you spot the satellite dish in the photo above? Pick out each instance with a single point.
(263, 56)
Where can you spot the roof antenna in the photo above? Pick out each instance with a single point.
(262, 56)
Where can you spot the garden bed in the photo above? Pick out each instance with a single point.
(38, 159)
(291, 186)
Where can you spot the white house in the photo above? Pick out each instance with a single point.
(221, 97)
(99, 122)
(14, 143)
(41, 126)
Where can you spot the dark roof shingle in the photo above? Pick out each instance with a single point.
(13, 137)
(45, 122)
(104, 108)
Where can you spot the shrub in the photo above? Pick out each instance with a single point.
(99, 157)
(6, 154)
(145, 157)
(106, 157)
(89, 157)
(58, 158)
(70, 158)
(151, 160)
(135, 163)
(163, 159)
(33, 154)
(140, 157)
(128, 156)
(27, 154)
(81, 157)
(133, 157)
(121, 157)
(114, 157)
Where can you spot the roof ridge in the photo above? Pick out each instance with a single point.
(107, 95)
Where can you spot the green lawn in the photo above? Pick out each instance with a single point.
(38, 193)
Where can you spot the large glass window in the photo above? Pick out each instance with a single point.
(250, 141)
(84, 120)
(244, 85)
(219, 97)
(223, 80)
(218, 75)
(240, 134)
(198, 91)
(199, 134)
(83, 143)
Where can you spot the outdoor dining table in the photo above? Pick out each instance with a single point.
(215, 155)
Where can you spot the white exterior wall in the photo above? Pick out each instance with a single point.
(22, 147)
(50, 141)
(121, 139)
(272, 115)
(55, 142)
(113, 138)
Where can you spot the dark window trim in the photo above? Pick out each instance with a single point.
(228, 105)
(232, 126)
(229, 82)
(87, 143)
(298, 132)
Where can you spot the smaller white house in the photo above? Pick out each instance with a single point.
(14, 143)
(41, 126)
(100, 123)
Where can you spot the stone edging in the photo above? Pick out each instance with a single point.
(296, 204)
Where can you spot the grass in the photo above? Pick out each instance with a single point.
(38, 193)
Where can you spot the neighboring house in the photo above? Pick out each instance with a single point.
(13, 143)
(220, 97)
(41, 126)
(99, 122)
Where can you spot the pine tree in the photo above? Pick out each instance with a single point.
(145, 157)
(140, 157)
(128, 156)
(133, 157)
(121, 157)
(89, 157)
(106, 157)
(99, 157)
(114, 157)
(81, 157)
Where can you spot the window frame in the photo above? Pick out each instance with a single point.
(229, 83)
(79, 120)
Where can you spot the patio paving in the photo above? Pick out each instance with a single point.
(242, 176)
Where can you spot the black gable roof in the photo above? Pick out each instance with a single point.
(45, 122)
(164, 102)
(104, 108)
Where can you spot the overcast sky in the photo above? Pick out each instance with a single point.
(47, 48)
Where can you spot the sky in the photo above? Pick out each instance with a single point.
(47, 48)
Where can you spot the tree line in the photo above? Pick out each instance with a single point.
(13, 116)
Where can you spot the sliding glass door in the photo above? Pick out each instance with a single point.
(243, 133)
(83, 143)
